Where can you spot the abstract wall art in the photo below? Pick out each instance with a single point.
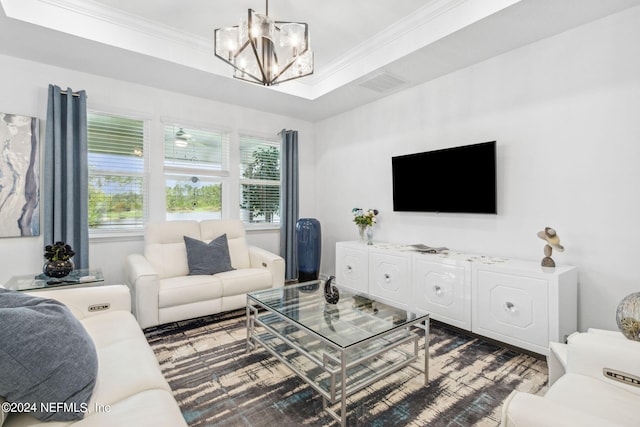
(19, 176)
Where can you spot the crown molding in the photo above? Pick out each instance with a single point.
(95, 10)
(433, 22)
(94, 21)
(392, 33)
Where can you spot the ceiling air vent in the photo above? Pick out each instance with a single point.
(382, 82)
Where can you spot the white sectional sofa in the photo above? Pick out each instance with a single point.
(594, 380)
(130, 389)
(162, 289)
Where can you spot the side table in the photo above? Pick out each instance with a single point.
(40, 282)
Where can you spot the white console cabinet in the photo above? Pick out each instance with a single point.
(442, 288)
(516, 302)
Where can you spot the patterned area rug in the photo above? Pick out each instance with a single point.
(217, 383)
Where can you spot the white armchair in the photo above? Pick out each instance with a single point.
(162, 289)
(601, 385)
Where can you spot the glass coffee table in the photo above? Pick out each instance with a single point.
(338, 349)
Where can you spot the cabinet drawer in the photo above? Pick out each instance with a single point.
(389, 278)
(512, 308)
(352, 267)
(443, 290)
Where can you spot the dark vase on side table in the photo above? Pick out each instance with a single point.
(58, 268)
(58, 260)
(309, 243)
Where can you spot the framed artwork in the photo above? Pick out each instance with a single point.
(19, 176)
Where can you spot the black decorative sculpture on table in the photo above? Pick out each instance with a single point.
(331, 292)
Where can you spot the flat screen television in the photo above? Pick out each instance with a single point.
(459, 179)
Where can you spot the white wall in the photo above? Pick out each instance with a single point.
(23, 85)
(565, 112)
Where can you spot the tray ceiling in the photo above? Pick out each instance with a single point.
(364, 50)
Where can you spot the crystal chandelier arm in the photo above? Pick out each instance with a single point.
(245, 72)
(255, 52)
(235, 55)
(244, 45)
(239, 63)
(293, 77)
(295, 58)
(253, 42)
(276, 80)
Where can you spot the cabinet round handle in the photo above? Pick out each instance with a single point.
(510, 307)
(387, 278)
(349, 268)
(438, 290)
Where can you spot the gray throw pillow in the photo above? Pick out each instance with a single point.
(208, 258)
(47, 359)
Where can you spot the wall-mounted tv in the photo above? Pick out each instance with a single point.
(459, 179)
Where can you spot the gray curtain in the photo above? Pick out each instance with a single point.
(66, 173)
(289, 202)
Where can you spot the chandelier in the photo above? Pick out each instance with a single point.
(264, 51)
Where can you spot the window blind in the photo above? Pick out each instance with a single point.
(196, 150)
(116, 172)
(259, 180)
(196, 161)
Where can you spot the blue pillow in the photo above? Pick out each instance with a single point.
(47, 358)
(208, 258)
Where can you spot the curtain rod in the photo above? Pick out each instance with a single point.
(64, 92)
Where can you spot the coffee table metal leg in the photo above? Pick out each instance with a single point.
(343, 380)
(248, 327)
(426, 351)
(252, 312)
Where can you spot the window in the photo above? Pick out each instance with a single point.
(196, 163)
(116, 172)
(259, 180)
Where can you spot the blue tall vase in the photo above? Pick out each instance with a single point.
(309, 244)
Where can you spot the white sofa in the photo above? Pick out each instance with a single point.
(130, 389)
(162, 289)
(580, 394)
